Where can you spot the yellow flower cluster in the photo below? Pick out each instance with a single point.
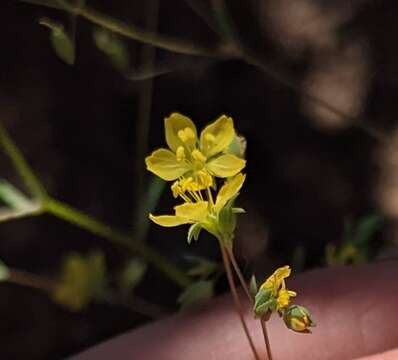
(274, 296)
(193, 164)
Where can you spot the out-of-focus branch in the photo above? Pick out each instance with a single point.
(76, 217)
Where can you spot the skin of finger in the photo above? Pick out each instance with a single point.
(388, 355)
(354, 308)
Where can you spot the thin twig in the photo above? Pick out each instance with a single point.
(238, 303)
(239, 274)
(161, 41)
(23, 278)
(21, 165)
(266, 338)
(208, 19)
(69, 214)
(144, 112)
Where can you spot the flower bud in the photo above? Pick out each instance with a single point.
(264, 303)
(298, 318)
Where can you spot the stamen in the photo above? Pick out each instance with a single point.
(198, 156)
(180, 154)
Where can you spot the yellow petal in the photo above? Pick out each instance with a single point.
(168, 220)
(163, 163)
(276, 280)
(228, 191)
(226, 165)
(175, 123)
(194, 212)
(217, 136)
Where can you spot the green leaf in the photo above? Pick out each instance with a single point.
(193, 232)
(112, 46)
(202, 267)
(4, 271)
(367, 227)
(133, 274)
(12, 197)
(60, 41)
(238, 210)
(196, 294)
(253, 287)
(152, 196)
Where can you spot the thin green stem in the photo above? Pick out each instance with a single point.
(34, 209)
(21, 165)
(135, 33)
(247, 291)
(84, 221)
(239, 274)
(23, 278)
(76, 217)
(238, 303)
(266, 338)
(148, 55)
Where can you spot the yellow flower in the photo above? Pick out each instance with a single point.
(189, 155)
(276, 283)
(283, 299)
(205, 213)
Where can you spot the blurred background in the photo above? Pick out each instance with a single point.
(311, 84)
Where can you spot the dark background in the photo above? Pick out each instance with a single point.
(308, 169)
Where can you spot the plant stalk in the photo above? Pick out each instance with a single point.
(247, 291)
(266, 338)
(238, 303)
(84, 221)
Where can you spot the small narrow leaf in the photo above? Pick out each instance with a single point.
(196, 294)
(253, 285)
(60, 41)
(4, 271)
(112, 46)
(12, 197)
(193, 232)
(133, 274)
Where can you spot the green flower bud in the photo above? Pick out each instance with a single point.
(298, 318)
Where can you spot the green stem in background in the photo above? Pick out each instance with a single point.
(21, 165)
(76, 217)
(233, 51)
(148, 55)
(30, 280)
(132, 32)
(235, 295)
(84, 221)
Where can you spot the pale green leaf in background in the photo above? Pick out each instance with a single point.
(112, 46)
(12, 197)
(133, 274)
(60, 41)
(196, 294)
(4, 271)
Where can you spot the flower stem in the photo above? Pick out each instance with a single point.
(266, 338)
(238, 303)
(239, 273)
(247, 291)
